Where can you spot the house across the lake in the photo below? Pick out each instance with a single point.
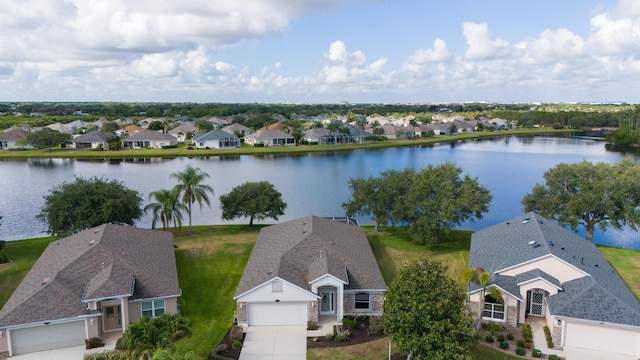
(94, 282)
(311, 269)
(548, 273)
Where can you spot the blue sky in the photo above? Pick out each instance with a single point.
(313, 51)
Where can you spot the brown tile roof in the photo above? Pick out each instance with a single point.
(305, 249)
(14, 134)
(97, 263)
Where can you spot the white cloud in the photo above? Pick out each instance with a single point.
(439, 52)
(344, 67)
(479, 43)
(611, 35)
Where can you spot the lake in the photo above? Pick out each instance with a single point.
(314, 183)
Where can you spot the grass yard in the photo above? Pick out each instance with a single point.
(210, 264)
(23, 254)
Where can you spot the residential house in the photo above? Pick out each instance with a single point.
(276, 126)
(439, 129)
(92, 140)
(181, 131)
(97, 281)
(216, 139)
(309, 270)
(269, 138)
(11, 139)
(237, 129)
(395, 132)
(149, 139)
(60, 128)
(546, 272)
(130, 130)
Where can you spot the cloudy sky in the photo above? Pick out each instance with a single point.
(315, 51)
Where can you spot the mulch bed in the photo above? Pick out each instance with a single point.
(231, 353)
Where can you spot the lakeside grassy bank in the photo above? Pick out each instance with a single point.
(183, 151)
(210, 264)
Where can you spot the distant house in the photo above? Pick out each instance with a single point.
(149, 139)
(269, 138)
(237, 129)
(216, 139)
(439, 129)
(88, 284)
(311, 269)
(395, 132)
(547, 273)
(60, 128)
(92, 140)
(10, 139)
(276, 126)
(131, 129)
(180, 132)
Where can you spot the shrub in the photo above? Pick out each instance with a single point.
(375, 326)
(493, 328)
(547, 335)
(536, 353)
(528, 344)
(554, 357)
(106, 355)
(527, 335)
(258, 145)
(520, 343)
(169, 146)
(500, 338)
(521, 351)
(2, 244)
(236, 333)
(488, 339)
(94, 342)
(504, 345)
(342, 334)
(349, 322)
(4, 257)
(236, 344)
(312, 325)
(510, 336)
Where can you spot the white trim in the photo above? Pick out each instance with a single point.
(501, 289)
(565, 319)
(57, 321)
(364, 290)
(540, 278)
(270, 280)
(156, 298)
(327, 275)
(540, 258)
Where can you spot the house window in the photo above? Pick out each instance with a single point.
(276, 286)
(493, 308)
(362, 301)
(153, 308)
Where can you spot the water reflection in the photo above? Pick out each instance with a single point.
(50, 163)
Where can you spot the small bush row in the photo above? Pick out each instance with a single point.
(94, 342)
(547, 335)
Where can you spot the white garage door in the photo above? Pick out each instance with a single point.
(602, 338)
(47, 337)
(278, 313)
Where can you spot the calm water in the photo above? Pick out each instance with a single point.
(311, 183)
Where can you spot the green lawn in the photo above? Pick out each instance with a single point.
(211, 262)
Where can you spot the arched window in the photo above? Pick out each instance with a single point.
(493, 308)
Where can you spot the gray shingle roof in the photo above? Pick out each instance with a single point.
(269, 135)
(103, 261)
(14, 134)
(214, 135)
(537, 274)
(149, 136)
(600, 296)
(93, 136)
(302, 250)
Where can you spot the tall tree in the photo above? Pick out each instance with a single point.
(203, 126)
(47, 138)
(85, 203)
(587, 194)
(441, 198)
(424, 313)
(191, 190)
(166, 208)
(259, 200)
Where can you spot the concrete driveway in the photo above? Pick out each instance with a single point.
(275, 342)
(572, 353)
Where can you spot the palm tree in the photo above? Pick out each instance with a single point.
(483, 279)
(166, 208)
(191, 190)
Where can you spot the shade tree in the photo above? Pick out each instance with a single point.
(589, 194)
(425, 313)
(253, 200)
(85, 203)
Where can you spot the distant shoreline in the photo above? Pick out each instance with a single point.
(183, 151)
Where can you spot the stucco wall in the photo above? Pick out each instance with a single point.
(551, 265)
(93, 330)
(4, 346)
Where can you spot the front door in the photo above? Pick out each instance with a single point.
(112, 318)
(327, 302)
(536, 303)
